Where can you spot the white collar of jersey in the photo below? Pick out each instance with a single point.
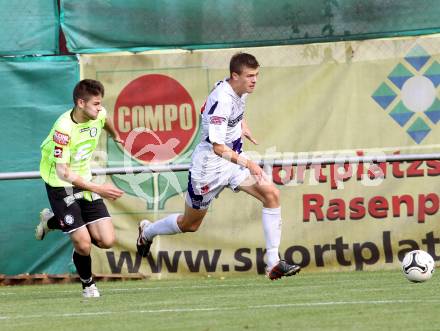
(231, 91)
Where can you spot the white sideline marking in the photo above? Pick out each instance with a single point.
(173, 287)
(157, 288)
(331, 303)
(180, 310)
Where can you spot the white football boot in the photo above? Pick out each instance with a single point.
(91, 292)
(41, 229)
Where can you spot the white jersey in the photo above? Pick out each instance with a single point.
(222, 116)
(221, 123)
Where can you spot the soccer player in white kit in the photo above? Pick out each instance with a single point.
(217, 163)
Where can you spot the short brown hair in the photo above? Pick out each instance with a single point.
(240, 60)
(87, 88)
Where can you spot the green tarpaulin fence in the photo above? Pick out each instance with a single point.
(106, 25)
(35, 91)
(32, 27)
(28, 27)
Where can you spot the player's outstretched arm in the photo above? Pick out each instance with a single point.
(107, 191)
(110, 128)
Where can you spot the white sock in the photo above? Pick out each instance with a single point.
(272, 234)
(167, 225)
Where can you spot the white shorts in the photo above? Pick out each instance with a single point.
(204, 187)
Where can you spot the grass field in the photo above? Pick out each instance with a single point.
(314, 301)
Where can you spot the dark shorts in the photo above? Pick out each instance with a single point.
(73, 210)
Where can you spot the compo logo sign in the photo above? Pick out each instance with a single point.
(156, 117)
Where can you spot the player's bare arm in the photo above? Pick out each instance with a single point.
(110, 128)
(232, 156)
(246, 132)
(107, 191)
